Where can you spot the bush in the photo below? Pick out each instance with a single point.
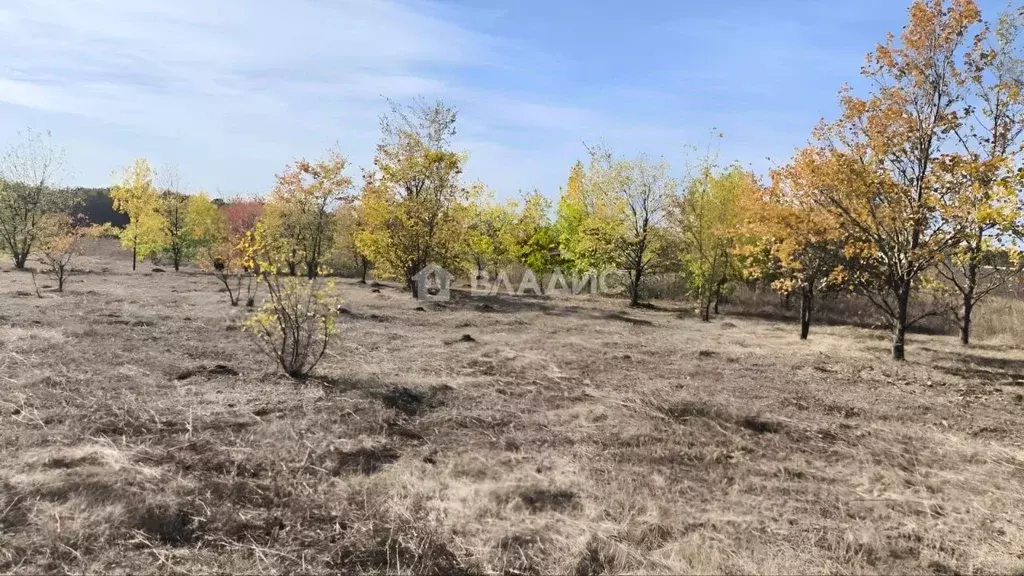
(296, 322)
(105, 230)
(60, 238)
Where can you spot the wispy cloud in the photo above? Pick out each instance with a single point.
(269, 80)
(232, 90)
(222, 73)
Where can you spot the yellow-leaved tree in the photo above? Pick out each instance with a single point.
(493, 240)
(345, 253)
(298, 319)
(301, 209)
(990, 141)
(706, 220)
(590, 219)
(792, 241)
(135, 196)
(416, 208)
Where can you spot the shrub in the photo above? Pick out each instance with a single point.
(105, 230)
(296, 322)
(60, 239)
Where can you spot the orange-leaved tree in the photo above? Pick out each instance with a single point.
(884, 168)
(229, 256)
(792, 241)
(60, 237)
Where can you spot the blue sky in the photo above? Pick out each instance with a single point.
(229, 91)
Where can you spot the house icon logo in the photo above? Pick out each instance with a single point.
(433, 283)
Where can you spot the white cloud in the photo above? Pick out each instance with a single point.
(289, 74)
(232, 90)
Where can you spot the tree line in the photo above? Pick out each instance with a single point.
(913, 190)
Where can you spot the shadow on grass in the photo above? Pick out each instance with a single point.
(334, 385)
(986, 369)
(526, 303)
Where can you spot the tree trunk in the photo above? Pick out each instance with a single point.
(365, 265)
(971, 284)
(19, 261)
(135, 255)
(899, 332)
(705, 306)
(634, 288)
(415, 287)
(481, 267)
(177, 263)
(806, 309)
(965, 319)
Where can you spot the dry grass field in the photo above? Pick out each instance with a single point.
(141, 432)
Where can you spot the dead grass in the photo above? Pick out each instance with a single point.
(140, 432)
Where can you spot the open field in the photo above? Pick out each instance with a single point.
(140, 431)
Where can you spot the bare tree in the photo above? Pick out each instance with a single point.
(29, 179)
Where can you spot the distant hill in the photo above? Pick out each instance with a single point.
(97, 206)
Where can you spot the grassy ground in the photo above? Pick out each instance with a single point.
(140, 431)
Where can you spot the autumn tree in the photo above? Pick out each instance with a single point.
(302, 204)
(532, 237)
(349, 221)
(792, 241)
(59, 243)
(416, 208)
(991, 145)
(228, 254)
(706, 219)
(135, 196)
(570, 213)
(172, 208)
(885, 171)
(590, 213)
(646, 190)
(242, 215)
(29, 189)
(493, 237)
(298, 319)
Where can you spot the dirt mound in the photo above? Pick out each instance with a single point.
(215, 370)
(405, 400)
(542, 499)
(463, 338)
(366, 461)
